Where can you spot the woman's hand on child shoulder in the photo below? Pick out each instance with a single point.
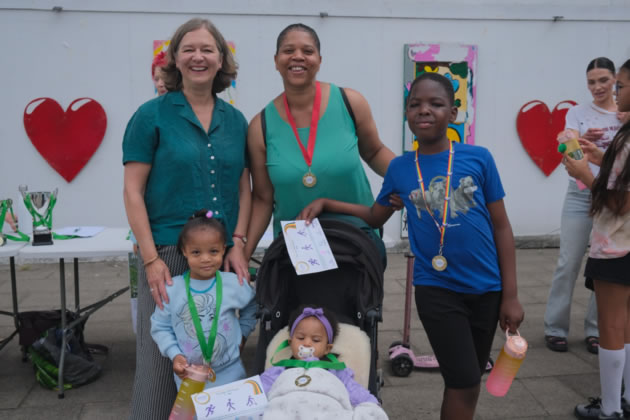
(179, 366)
(511, 314)
(235, 261)
(312, 210)
(158, 276)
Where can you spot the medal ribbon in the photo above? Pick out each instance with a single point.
(332, 362)
(447, 193)
(312, 134)
(39, 220)
(206, 347)
(4, 207)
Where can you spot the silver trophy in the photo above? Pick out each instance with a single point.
(40, 205)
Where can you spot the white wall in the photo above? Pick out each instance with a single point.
(102, 50)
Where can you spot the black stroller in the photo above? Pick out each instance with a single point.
(354, 290)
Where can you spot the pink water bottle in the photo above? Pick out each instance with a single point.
(507, 365)
(194, 382)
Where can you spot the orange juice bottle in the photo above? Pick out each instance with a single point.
(194, 382)
(569, 144)
(506, 366)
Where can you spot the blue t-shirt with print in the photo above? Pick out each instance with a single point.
(469, 246)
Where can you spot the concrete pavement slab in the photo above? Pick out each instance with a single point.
(547, 387)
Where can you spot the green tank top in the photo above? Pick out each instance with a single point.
(336, 161)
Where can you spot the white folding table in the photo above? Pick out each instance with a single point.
(112, 242)
(9, 250)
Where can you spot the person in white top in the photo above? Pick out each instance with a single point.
(597, 122)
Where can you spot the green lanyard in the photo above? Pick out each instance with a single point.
(4, 206)
(39, 220)
(206, 348)
(333, 363)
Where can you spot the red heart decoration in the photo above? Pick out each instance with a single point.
(67, 140)
(538, 128)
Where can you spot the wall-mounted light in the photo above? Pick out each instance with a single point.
(323, 14)
(57, 8)
(557, 18)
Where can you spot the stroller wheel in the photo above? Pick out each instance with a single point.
(402, 365)
(398, 343)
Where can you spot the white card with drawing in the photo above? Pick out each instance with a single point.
(307, 246)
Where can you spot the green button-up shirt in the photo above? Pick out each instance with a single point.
(190, 169)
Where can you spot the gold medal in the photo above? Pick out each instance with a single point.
(212, 376)
(1, 240)
(439, 263)
(302, 380)
(309, 180)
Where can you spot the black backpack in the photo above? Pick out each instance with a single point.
(40, 337)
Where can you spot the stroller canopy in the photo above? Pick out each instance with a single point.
(351, 290)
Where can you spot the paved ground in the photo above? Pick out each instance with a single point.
(548, 384)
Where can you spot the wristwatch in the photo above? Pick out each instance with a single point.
(241, 237)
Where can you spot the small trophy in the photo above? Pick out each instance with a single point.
(40, 205)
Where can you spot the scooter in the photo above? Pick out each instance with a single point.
(400, 354)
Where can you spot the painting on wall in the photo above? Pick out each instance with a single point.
(457, 62)
(229, 94)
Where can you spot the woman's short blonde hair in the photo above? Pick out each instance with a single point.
(225, 75)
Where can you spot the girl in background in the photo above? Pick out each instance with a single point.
(596, 121)
(608, 265)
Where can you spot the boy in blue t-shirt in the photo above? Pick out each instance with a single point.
(465, 266)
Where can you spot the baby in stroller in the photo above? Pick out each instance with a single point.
(353, 292)
(319, 383)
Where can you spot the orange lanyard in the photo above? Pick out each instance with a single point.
(447, 193)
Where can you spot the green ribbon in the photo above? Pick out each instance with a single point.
(39, 220)
(332, 362)
(206, 347)
(4, 207)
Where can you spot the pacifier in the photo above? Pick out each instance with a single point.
(304, 352)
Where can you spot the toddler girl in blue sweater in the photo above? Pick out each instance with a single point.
(199, 324)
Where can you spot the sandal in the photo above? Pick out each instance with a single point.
(592, 344)
(556, 343)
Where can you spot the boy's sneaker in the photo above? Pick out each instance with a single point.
(625, 406)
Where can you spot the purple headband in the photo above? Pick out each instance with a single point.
(317, 313)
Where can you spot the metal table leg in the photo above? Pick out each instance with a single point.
(81, 313)
(14, 292)
(62, 289)
(76, 286)
(14, 299)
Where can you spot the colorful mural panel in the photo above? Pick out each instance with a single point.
(458, 63)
